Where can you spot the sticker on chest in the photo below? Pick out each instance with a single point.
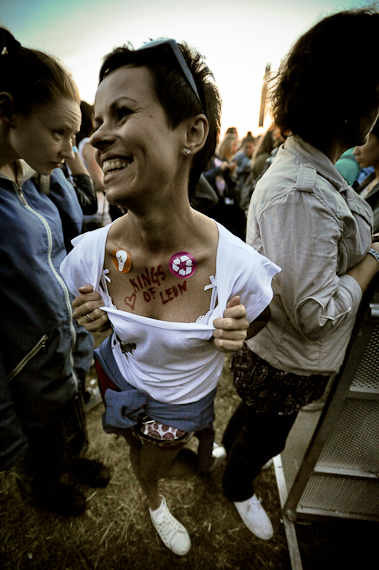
(182, 264)
(122, 260)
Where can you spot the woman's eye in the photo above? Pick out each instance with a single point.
(122, 112)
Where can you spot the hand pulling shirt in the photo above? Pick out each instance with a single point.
(174, 362)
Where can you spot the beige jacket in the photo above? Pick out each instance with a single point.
(305, 218)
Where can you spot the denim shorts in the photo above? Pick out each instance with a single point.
(126, 406)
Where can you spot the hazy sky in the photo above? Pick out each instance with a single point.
(238, 37)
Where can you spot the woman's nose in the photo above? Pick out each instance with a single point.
(67, 150)
(101, 139)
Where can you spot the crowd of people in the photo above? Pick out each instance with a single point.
(130, 218)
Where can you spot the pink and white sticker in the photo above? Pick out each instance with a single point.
(182, 265)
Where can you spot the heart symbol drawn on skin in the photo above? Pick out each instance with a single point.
(130, 301)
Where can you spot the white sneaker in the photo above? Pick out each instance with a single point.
(218, 451)
(218, 455)
(170, 530)
(94, 398)
(255, 518)
(268, 464)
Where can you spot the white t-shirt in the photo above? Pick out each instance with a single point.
(174, 362)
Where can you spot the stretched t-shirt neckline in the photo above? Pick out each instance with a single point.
(159, 323)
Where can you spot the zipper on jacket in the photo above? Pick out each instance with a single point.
(31, 354)
(23, 200)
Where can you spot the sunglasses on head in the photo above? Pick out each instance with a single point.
(175, 50)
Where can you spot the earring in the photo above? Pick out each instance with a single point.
(186, 151)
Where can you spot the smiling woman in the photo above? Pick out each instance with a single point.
(136, 145)
(167, 275)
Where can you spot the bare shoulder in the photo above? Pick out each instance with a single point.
(118, 232)
(207, 229)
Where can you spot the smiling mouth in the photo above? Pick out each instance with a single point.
(113, 165)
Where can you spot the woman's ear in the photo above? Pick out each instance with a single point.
(6, 106)
(196, 133)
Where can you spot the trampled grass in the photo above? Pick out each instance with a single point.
(116, 532)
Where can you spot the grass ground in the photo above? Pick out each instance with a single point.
(116, 533)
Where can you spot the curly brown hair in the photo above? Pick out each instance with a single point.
(329, 79)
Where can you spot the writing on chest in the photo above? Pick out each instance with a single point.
(152, 286)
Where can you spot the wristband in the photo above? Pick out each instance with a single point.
(374, 253)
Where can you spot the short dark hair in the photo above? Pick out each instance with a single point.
(330, 77)
(175, 94)
(32, 77)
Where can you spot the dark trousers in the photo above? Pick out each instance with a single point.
(250, 440)
(54, 447)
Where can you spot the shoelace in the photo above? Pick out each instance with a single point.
(167, 525)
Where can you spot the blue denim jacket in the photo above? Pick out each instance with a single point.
(37, 334)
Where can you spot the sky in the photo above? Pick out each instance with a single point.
(237, 37)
